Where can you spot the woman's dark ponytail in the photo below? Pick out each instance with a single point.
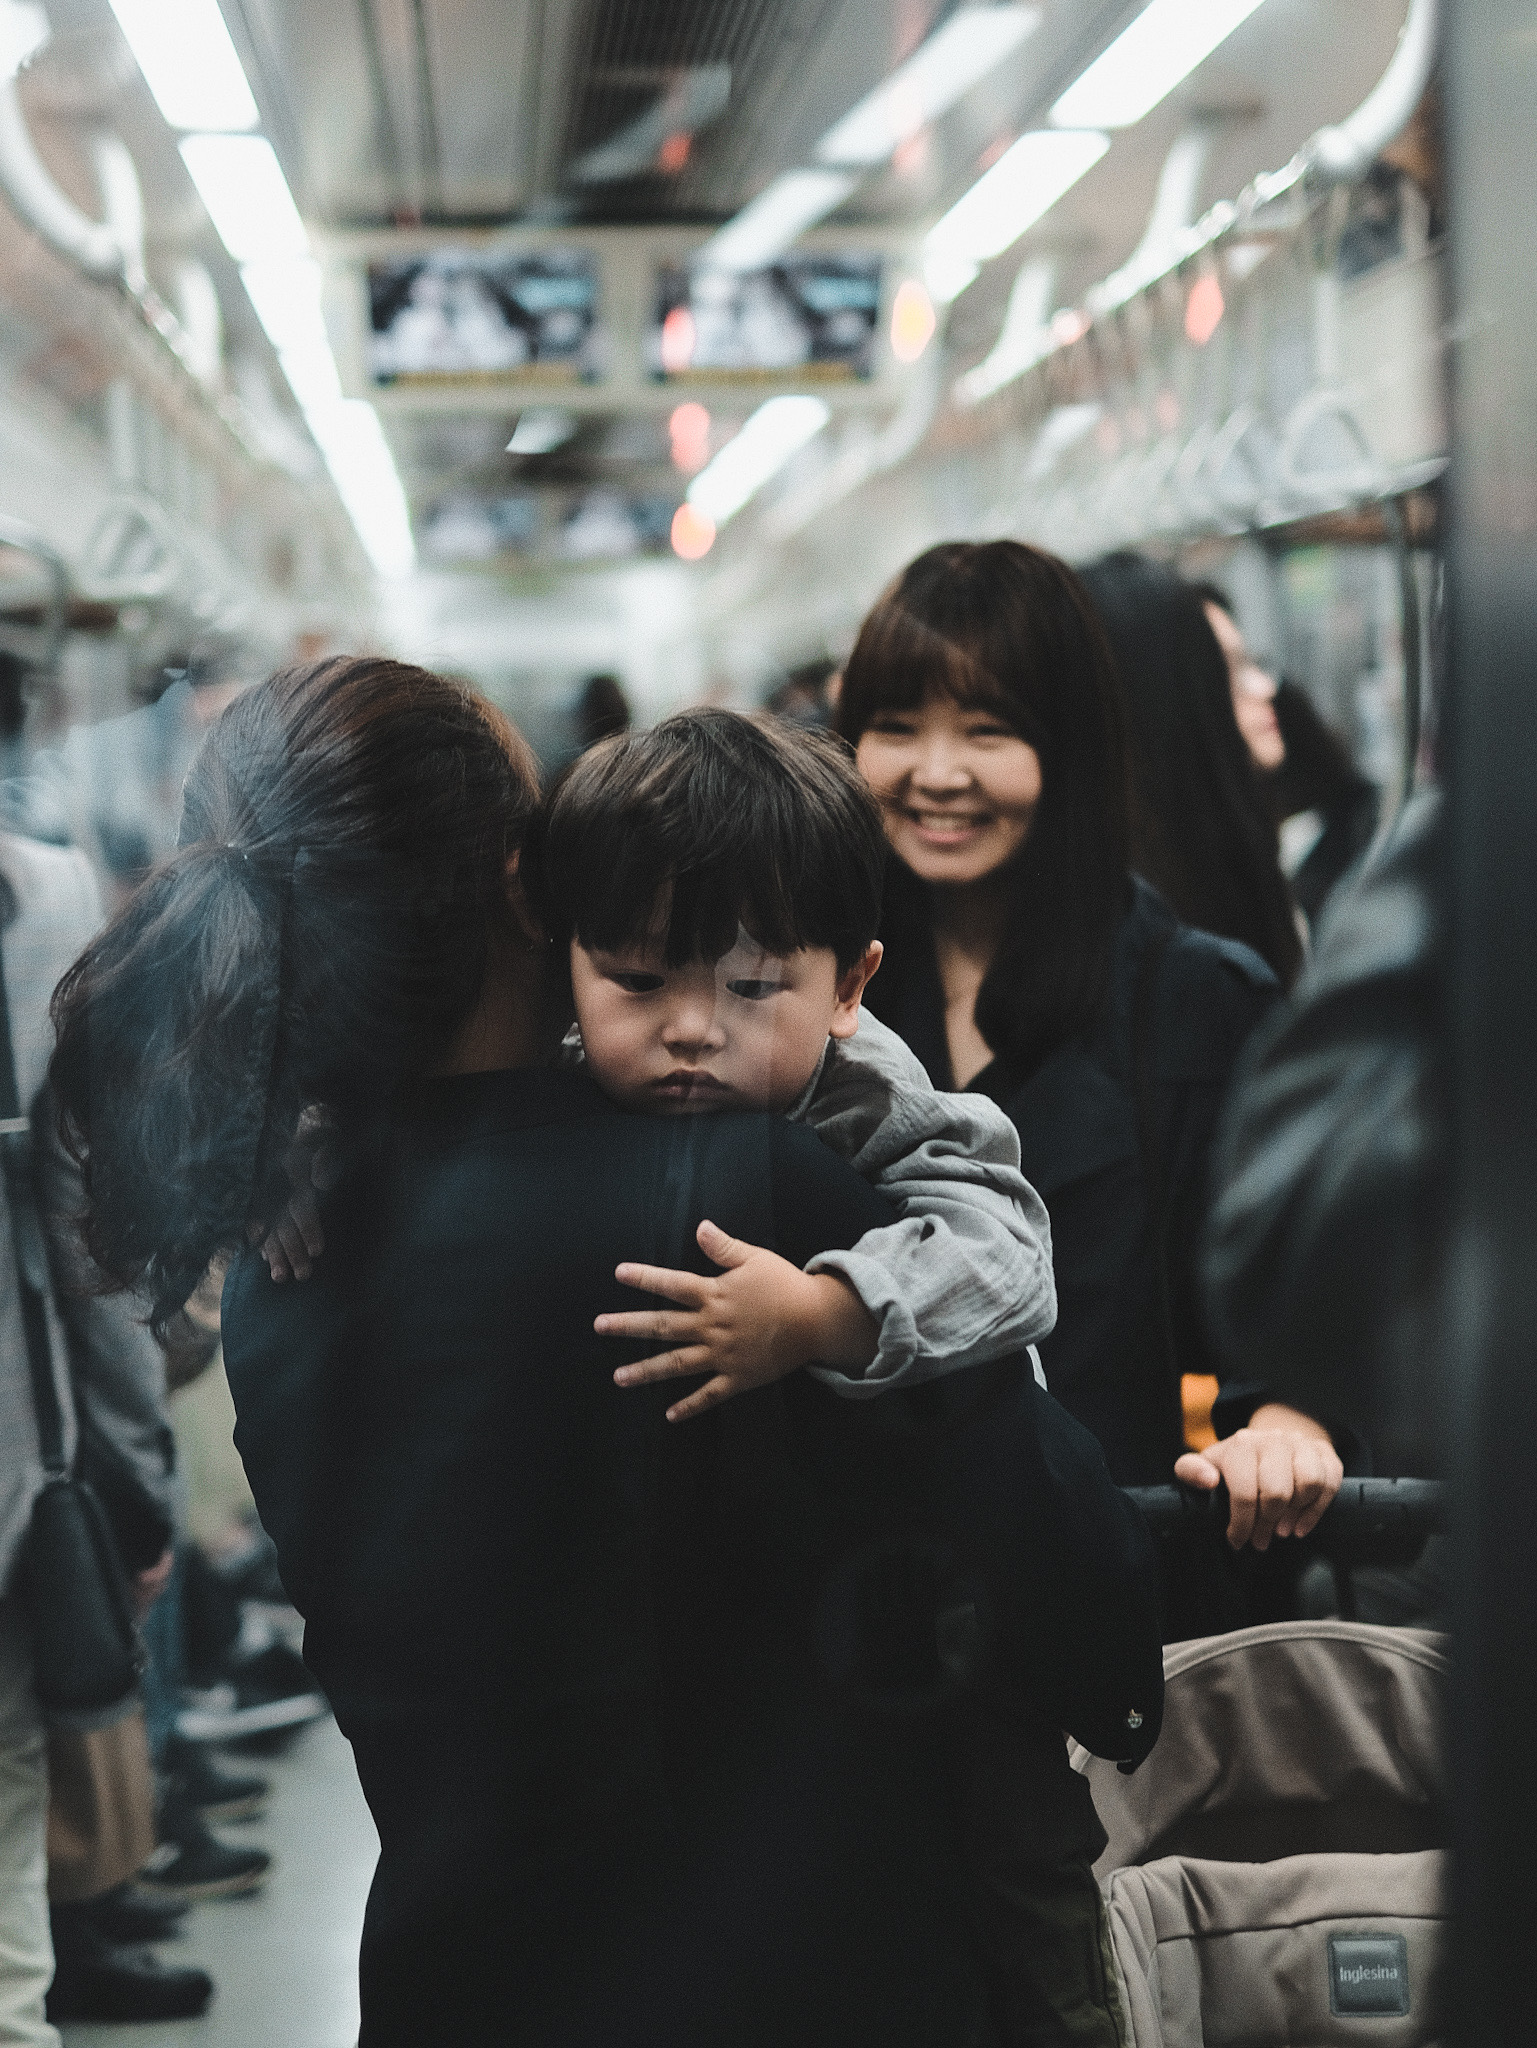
(319, 937)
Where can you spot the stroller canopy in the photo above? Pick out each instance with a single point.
(1279, 1741)
(1275, 1869)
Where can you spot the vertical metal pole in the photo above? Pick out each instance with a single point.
(1491, 85)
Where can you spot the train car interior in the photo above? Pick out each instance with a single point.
(612, 358)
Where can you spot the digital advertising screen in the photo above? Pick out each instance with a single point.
(811, 316)
(462, 316)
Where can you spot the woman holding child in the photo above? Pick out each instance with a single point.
(1024, 963)
(620, 1800)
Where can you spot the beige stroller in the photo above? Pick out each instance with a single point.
(1276, 1870)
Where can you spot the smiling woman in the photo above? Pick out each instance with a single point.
(1023, 962)
(981, 701)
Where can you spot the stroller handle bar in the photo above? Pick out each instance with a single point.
(1368, 1521)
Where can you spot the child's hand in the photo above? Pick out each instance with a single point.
(293, 1242)
(756, 1321)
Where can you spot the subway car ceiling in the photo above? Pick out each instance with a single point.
(536, 336)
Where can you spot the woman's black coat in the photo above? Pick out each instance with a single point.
(1115, 1131)
(609, 1683)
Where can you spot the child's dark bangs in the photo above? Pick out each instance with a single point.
(711, 907)
(696, 915)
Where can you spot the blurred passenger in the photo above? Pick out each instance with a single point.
(1323, 1246)
(615, 1796)
(14, 678)
(1200, 726)
(1024, 962)
(601, 711)
(1325, 808)
(114, 788)
(109, 1390)
(805, 695)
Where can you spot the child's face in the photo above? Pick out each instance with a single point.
(742, 1032)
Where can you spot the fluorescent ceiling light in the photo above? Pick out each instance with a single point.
(767, 225)
(286, 293)
(358, 456)
(312, 374)
(188, 61)
(187, 57)
(1146, 61)
(241, 182)
(949, 64)
(1025, 183)
(765, 444)
(287, 300)
(947, 276)
(541, 429)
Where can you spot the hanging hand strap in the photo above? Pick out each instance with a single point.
(31, 1254)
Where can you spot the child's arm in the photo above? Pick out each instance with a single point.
(965, 1275)
(755, 1321)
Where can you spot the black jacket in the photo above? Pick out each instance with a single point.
(1180, 1005)
(1323, 1250)
(614, 1688)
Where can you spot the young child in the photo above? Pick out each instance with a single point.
(716, 882)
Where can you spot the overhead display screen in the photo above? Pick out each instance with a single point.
(813, 317)
(578, 526)
(461, 316)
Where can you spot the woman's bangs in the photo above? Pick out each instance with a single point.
(975, 688)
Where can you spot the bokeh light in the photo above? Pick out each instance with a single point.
(1204, 309)
(689, 428)
(678, 340)
(693, 533)
(912, 321)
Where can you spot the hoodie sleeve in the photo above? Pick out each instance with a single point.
(964, 1274)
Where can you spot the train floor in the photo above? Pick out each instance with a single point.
(285, 1960)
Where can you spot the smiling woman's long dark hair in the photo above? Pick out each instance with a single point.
(1010, 627)
(319, 936)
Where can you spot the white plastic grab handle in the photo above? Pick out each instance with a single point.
(1358, 480)
(93, 245)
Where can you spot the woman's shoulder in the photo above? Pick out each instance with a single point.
(1210, 992)
(1227, 967)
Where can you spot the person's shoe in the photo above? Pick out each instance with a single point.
(217, 1794)
(97, 1979)
(191, 1862)
(129, 1916)
(271, 1691)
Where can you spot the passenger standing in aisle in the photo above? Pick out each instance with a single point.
(1199, 733)
(50, 910)
(509, 1592)
(1023, 960)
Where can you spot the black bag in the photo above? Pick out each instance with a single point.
(86, 1653)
